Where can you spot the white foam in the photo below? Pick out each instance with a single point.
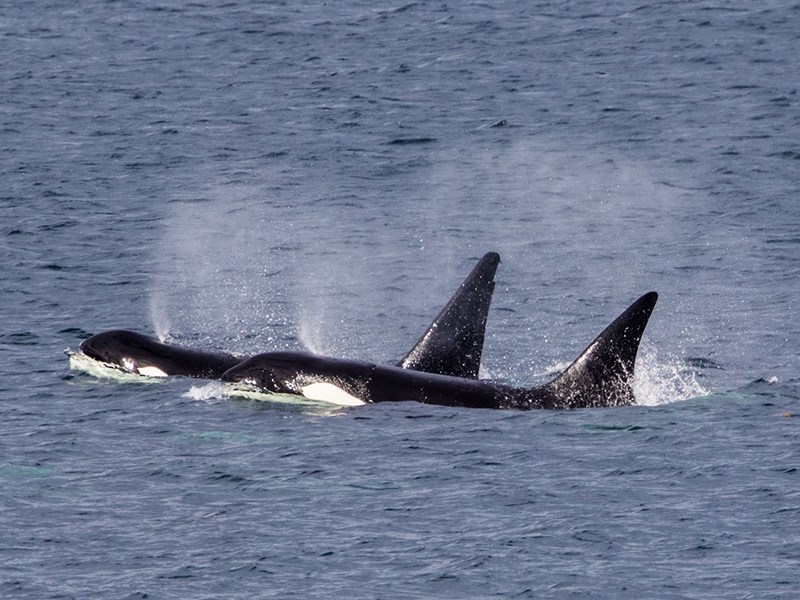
(78, 361)
(213, 390)
(307, 405)
(661, 379)
(237, 391)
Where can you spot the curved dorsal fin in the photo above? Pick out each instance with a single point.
(603, 374)
(453, 344)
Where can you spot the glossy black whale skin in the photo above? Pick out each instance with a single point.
(601, 376)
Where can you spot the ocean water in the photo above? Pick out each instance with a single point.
(253, 176)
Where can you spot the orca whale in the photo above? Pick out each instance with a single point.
(141, 354)
(601, 376)
(452, 344)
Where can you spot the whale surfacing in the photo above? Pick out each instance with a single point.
(601, 376)
(452, 344)
(442, 367)
(140, 354)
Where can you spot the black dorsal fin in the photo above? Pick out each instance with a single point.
(603, 374)
(453, 344)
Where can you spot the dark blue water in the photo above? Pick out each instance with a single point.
(254, 176)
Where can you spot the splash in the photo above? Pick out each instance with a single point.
(78, 361)
(663, 378)
(306, 406)
(660, 378)
(552, 371)
(214, 390)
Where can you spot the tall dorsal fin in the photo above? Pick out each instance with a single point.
(453, 344)
(603, 374)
